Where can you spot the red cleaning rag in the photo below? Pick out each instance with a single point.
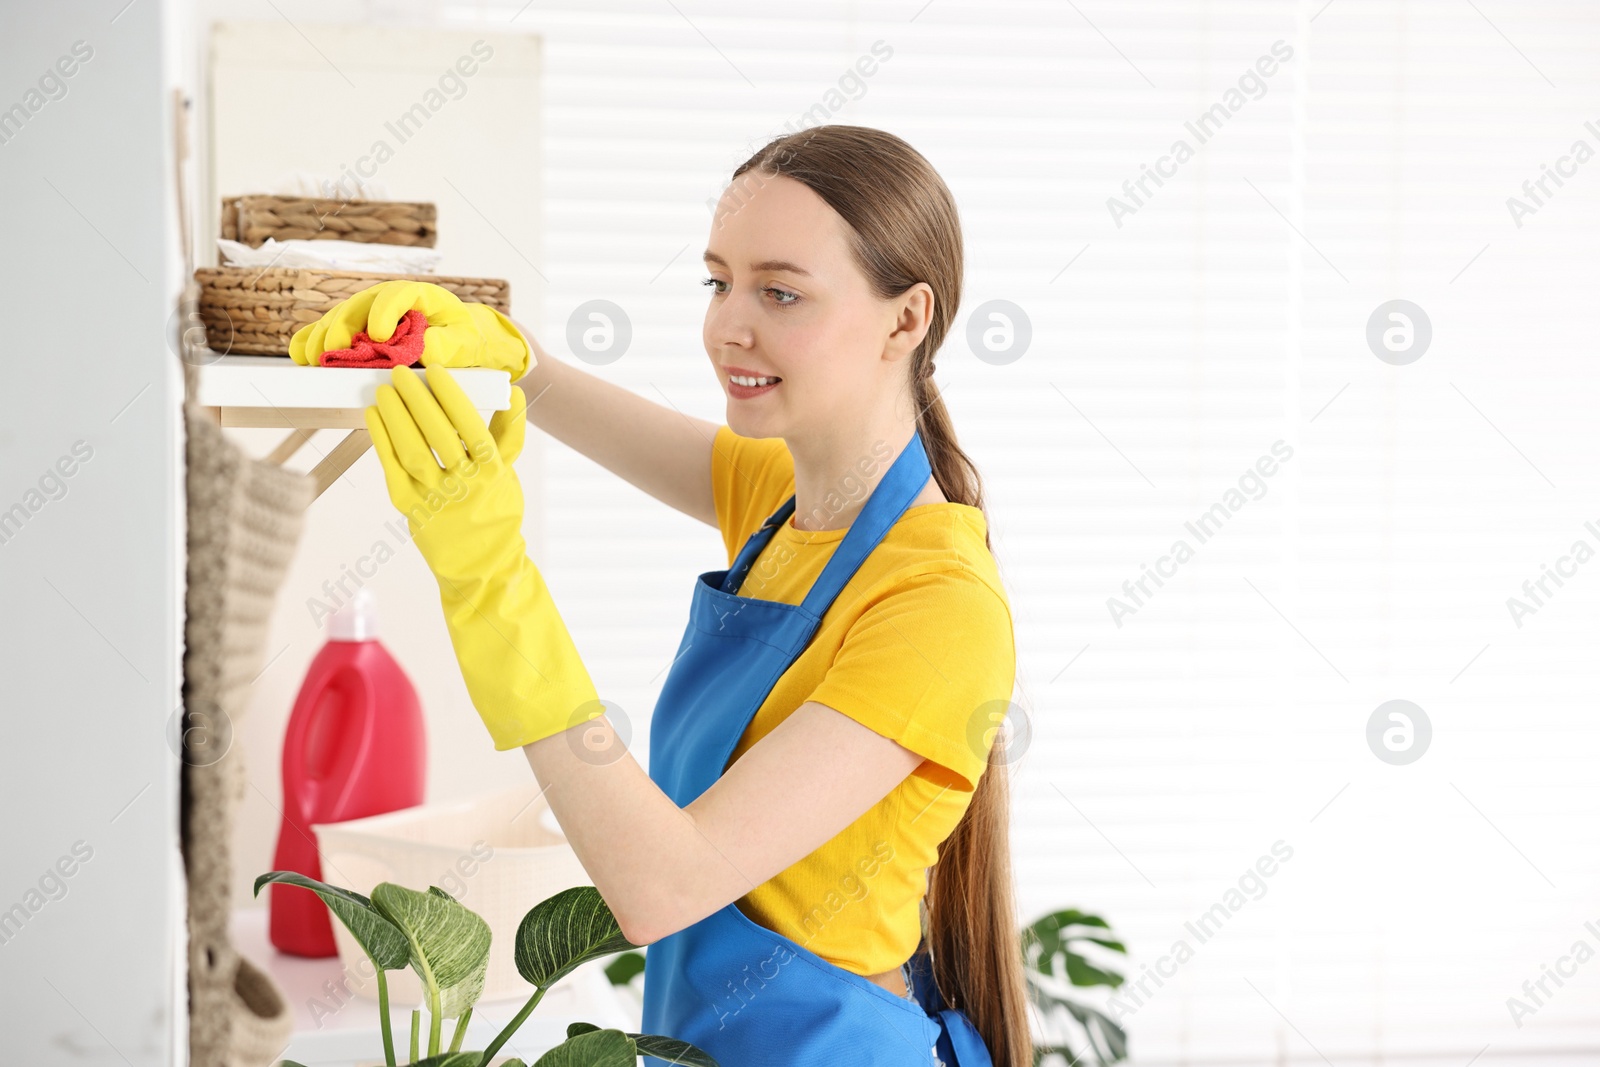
(401, 350)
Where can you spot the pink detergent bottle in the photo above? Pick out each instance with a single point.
(355, 746)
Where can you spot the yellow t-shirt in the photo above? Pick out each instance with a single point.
(916, 646)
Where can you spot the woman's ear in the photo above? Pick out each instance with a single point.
(913, 311)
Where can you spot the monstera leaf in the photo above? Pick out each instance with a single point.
(564, 932)
(447, 942)
(1050, 942)
(1055, 965)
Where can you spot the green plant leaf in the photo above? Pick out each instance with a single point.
(1048, 946)
(376, 935)
(1064, 1051)
(666, 1048)
(451, 1059)
(622, 970)
(565, 931)
(1109, 1040)
(672, 1050)
(597, 1048)
(1081, 972)
(448, 942)
(1065, 925)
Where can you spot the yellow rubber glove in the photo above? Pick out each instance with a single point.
(520, 665)
(460, 333)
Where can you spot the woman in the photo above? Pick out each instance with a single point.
(827, 724)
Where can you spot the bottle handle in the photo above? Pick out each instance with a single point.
(329, 749)
(357, 740)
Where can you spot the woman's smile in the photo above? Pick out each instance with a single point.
(742, 384)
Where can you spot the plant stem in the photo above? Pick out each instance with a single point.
(511, 1027)
(383, 1015)
(416, 1020)
(434, 1021)
(461, 1030)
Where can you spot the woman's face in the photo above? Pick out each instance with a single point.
(788, 301)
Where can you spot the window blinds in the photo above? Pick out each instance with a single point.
(1199, 769)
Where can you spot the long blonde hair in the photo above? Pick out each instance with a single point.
(904, 230)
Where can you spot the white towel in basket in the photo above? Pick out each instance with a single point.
(331, 255)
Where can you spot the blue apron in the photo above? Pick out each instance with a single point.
(747, 995)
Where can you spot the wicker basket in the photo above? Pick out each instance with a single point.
(254, 311)
(253, 219)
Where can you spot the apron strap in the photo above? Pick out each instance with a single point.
(906, 476)
(960, 1044)
(734, 578)
(890, 497)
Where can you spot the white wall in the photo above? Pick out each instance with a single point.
(91, 581)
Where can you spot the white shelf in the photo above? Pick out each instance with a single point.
(343, 1031)
(275, 391)
(279, 382)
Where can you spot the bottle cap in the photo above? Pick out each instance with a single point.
(356, 619)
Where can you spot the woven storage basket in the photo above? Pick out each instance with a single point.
(254, 311)
(253, 219)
